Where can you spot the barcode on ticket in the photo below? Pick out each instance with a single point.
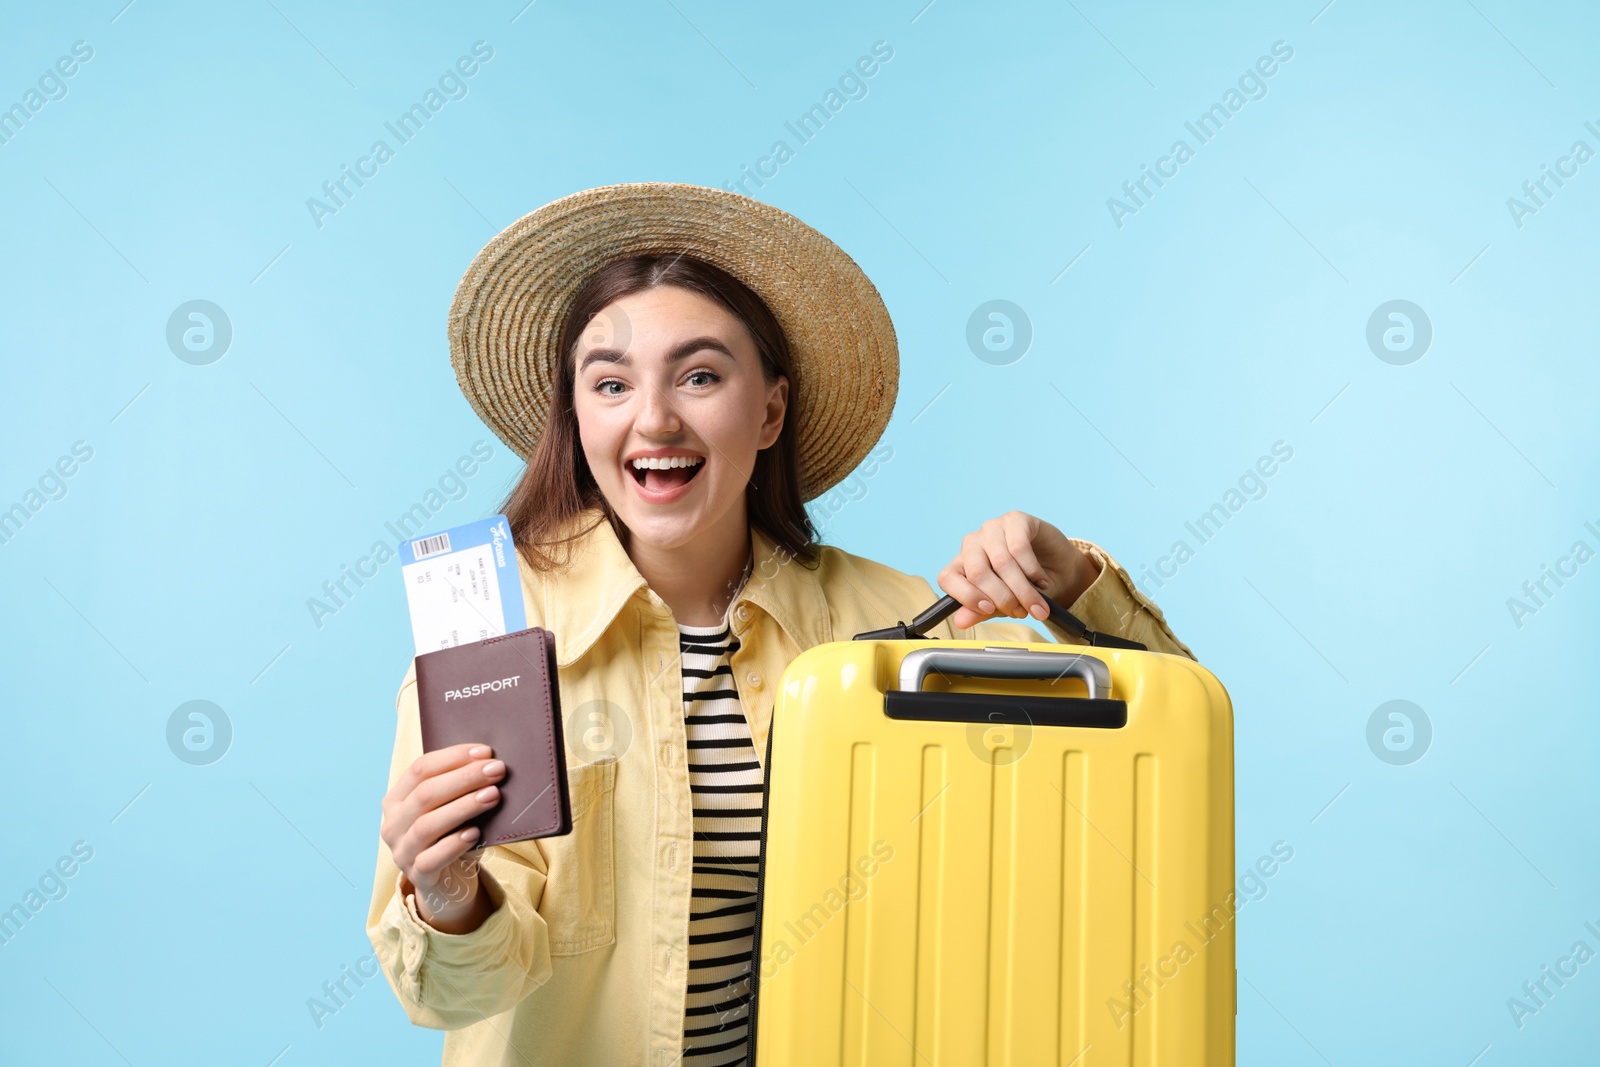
(431, 546)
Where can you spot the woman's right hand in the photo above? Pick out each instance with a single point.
(421, 812)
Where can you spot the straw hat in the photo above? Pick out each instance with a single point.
(507, 313)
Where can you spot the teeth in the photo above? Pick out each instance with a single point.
(667, 463)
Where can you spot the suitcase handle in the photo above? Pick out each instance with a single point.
(994, 662)
(947, 606)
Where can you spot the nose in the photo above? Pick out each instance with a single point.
(658, 416)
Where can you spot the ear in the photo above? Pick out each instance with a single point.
(777, 408)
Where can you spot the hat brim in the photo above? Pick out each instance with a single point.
(509, 307)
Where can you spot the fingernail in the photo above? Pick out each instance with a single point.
(494, 768)
(984, 605)
(469, 833)
(1039, 611)
(478, 751)
(486, 794)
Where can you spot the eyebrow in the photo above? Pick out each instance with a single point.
(680, 351)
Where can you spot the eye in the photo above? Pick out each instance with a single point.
(600, 386)
(706, 374)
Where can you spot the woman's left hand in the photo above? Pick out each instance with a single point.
(1005, 563)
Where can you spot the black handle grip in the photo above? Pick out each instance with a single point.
(947, 605)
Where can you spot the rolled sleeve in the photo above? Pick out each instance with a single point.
(448, 981)
(1111, 604)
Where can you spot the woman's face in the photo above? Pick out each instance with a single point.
(667, 372)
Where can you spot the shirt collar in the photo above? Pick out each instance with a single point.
(579, 603)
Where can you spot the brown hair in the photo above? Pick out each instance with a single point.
(558, 485)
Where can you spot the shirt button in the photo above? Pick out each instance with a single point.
(741, 613)
(754, 679)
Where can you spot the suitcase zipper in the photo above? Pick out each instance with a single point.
(761, 881)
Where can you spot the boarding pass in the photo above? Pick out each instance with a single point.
(462, 584)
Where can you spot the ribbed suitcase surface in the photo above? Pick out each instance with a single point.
(1021, 875)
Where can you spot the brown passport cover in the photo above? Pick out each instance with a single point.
(502, 692)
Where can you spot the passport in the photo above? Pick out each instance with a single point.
(502, 692)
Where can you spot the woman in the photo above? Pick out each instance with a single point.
(683, 368)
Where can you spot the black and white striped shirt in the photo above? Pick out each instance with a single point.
(725, 781)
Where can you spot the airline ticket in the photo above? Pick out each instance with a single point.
(462, 584)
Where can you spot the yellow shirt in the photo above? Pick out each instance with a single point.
(585, 957)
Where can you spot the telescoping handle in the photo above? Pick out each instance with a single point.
(947, 605)
(995, 662)
(1098, 710)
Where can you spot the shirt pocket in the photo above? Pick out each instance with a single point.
(580, 898)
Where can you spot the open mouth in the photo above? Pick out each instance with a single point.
(661, 475)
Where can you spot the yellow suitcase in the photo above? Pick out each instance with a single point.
(1004, 854)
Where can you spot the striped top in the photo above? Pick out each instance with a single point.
(725, 782)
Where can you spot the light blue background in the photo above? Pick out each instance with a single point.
(1229, 313)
